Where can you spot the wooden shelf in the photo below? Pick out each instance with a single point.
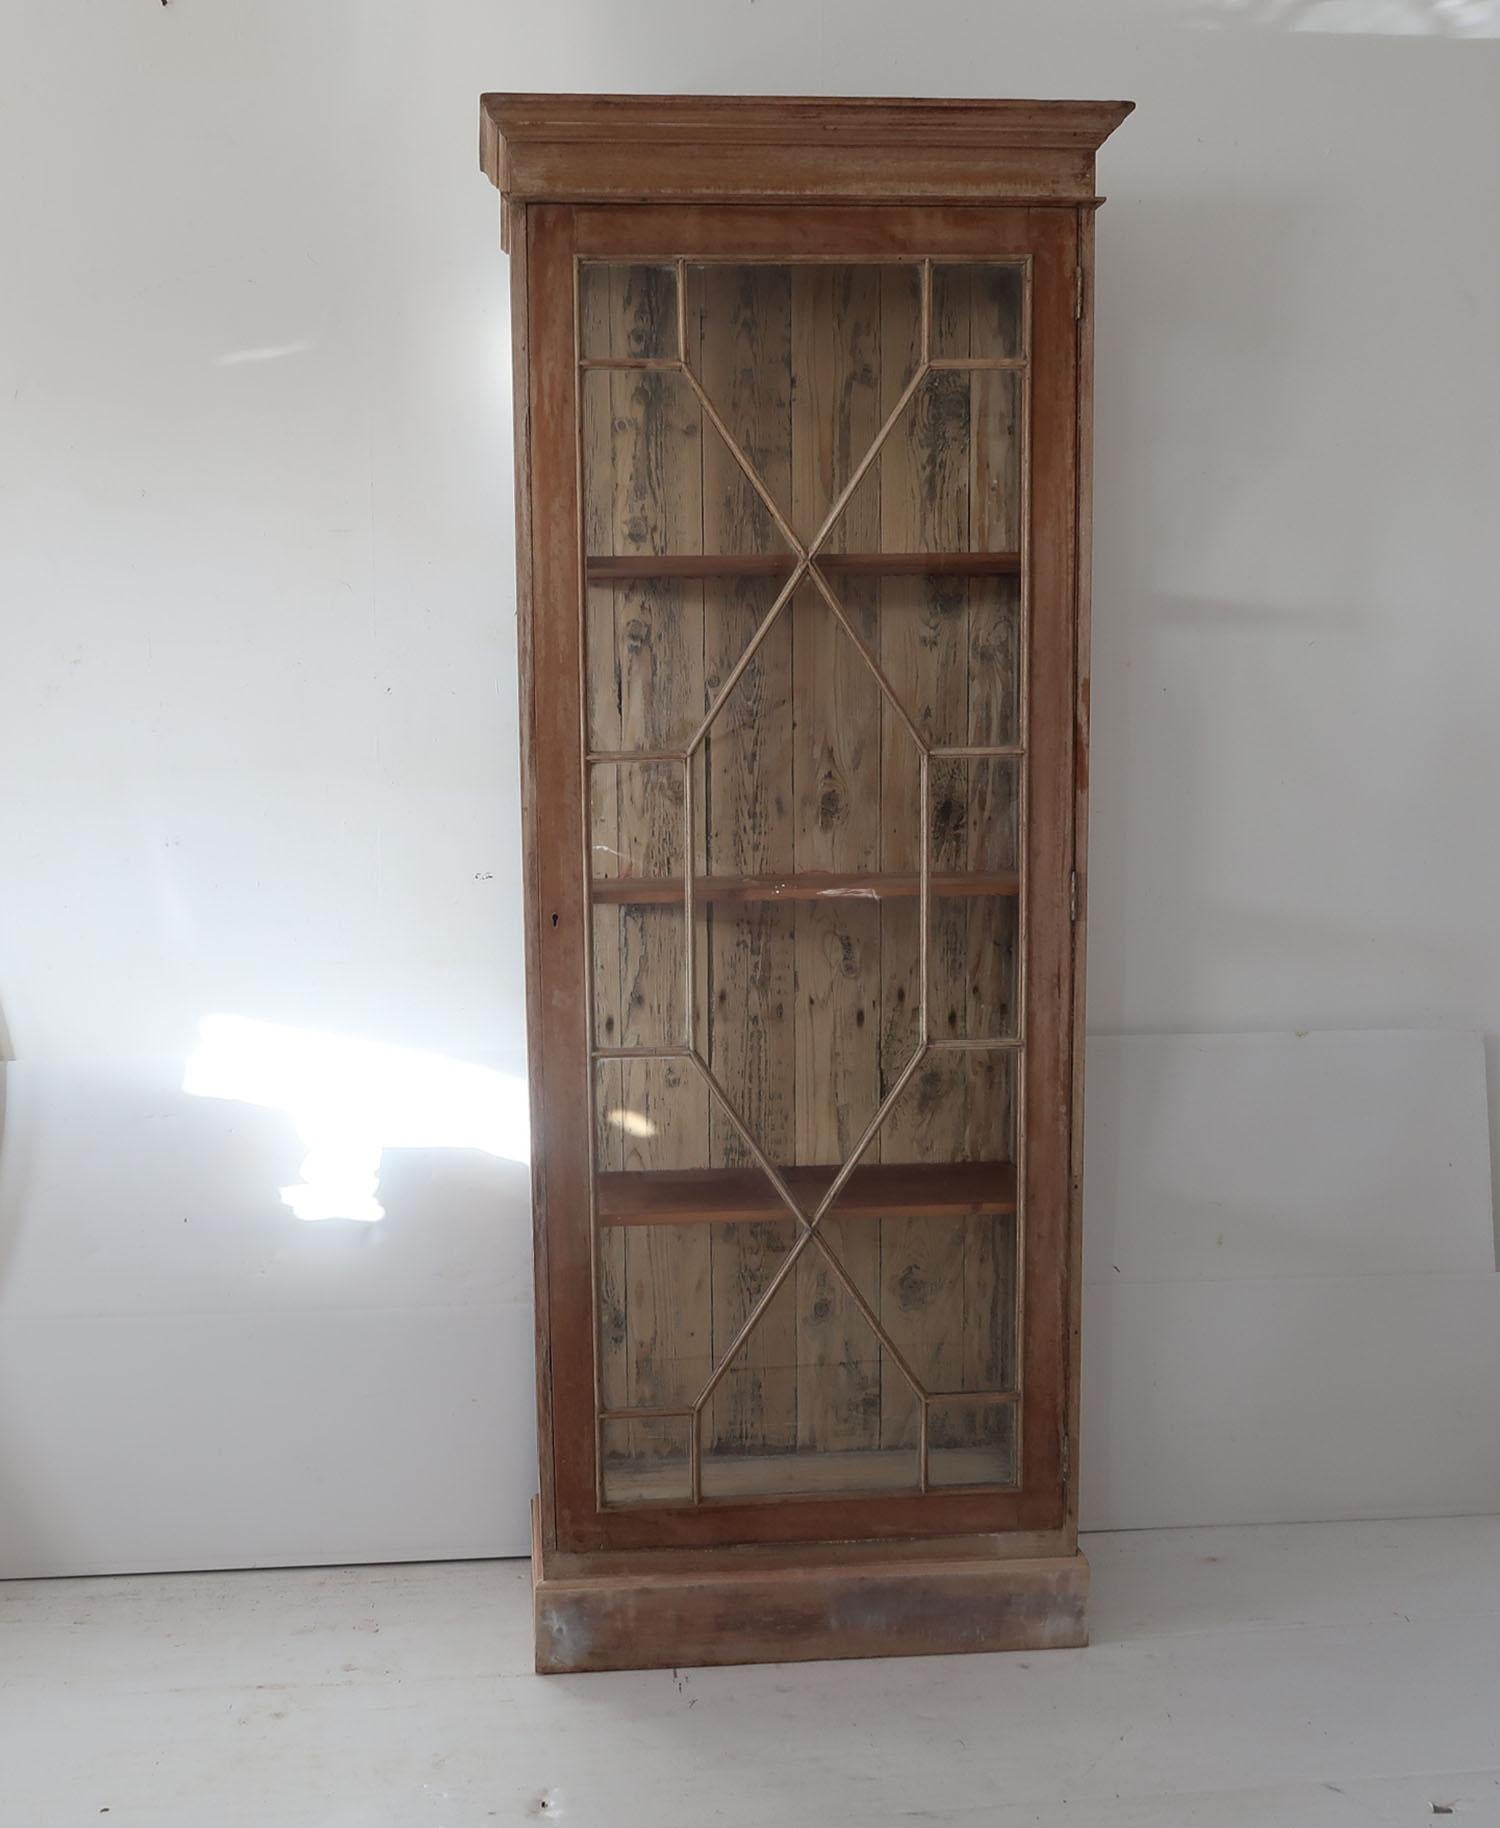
(606, 569)
(808, 885)
(921, 564)
(877, 1190)
(765, 1475)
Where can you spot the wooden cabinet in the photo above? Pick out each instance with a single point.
(802, 409)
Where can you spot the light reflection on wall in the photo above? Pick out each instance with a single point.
(1366, 18)
(351, 1100)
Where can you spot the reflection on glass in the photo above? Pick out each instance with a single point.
(947, 1265)
(811, 1402)
(645, 1460)
(626, 312)
(973, 942)
(978, 311)
(970, 1443)
(803, 363)
(791, 714)
(682, 562)
(637, 850)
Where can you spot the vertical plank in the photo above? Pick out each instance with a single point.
(924, 483)
(741, 330)
(602, 693)
(996, 454)
(657, 482)
(545, 1524)
(645, 643)
(1048, 1066)
(836, 412)
(1083, 582)
(557, 977)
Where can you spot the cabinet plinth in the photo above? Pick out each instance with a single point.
(803, 500)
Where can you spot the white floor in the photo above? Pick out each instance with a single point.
(1333, 1675)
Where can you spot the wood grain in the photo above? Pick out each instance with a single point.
(991, 836)
(645, 490)
(1048, 1066)
(598, 328)
(807, 885)
(810, 233)
(638, 148)
(557, 981)
(1083, 619)
(656, 697)
(873, 1191)
(545, 1510)
(603, 567)
(808, 1474)
(740, 330)
(836, 414)
(739, 1606)
(754, 119)
(924, 493)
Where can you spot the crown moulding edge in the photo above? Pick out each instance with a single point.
(725, 149)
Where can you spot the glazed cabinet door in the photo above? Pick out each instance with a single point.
(802, 649)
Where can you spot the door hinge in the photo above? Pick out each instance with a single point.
(1078, 285)
(1066, 1456)
(1073, 897)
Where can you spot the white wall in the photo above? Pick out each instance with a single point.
(257, 724)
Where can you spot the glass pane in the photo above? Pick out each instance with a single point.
(645, 1460)
(819, 1405)
(948, 476)
(754, 1405)
(977, 311)
(974, 819)
(950, 649)
(809, 831)
(636, 855)
(973, 939)
(937, 595)
(637, 833)
(685, 1243)
(682, 560)
(958, 1108)
(804, 363)
(971, 1443)
(992, 713)
(972, 953)
(627, 312)
(792, 1018)
(651, 1121)
(654, 1344)
(939, 1178)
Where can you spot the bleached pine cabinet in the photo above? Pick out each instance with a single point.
(802, 395)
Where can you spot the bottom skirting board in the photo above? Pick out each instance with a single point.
(772, 1606)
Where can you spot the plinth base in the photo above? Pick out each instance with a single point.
(661, 1609)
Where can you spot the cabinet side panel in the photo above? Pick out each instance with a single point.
(987, 321)
(526, 677)
(1084, 592)
(1048, 1249)
(558, 979)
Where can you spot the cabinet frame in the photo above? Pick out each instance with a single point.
(955, 1539)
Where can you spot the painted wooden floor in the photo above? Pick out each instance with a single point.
(1326, 1675)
